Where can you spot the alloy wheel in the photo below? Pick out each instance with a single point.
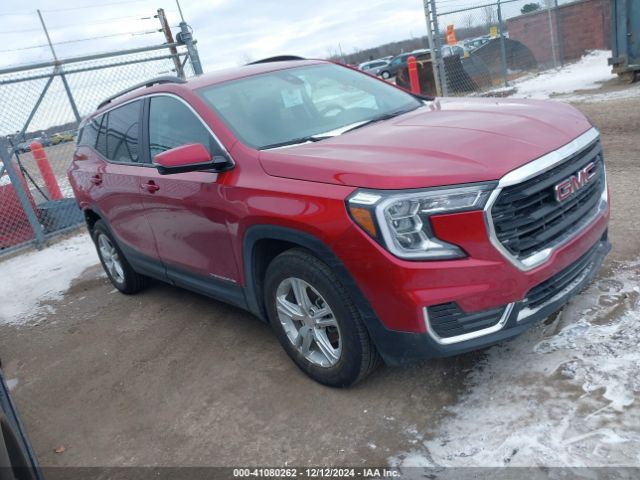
(111, 258)
(308, 322)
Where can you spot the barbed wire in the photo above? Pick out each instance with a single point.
(67, 25)
(78, 40)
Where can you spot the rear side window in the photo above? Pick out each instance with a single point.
(122, 133)
(172, 124)
(118, 134)
(89, 132)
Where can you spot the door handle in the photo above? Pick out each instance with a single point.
(150, 186)
(96, 180)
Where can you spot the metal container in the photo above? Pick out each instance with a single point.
(625, 42)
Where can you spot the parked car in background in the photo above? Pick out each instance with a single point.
(451, 50)
(373, 67)
(476, 42)
(61, 138)
(24, 147)
(391, 69)
(344, 211)
(44, 139)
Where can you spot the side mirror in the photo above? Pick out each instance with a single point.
(193, 157)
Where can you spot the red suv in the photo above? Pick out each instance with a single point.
(361, 221)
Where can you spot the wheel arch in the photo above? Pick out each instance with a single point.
(262, 243)
(91, 217)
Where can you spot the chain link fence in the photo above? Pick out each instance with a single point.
(481, 47)
(41, 106)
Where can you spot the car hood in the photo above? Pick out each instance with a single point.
(447, 142)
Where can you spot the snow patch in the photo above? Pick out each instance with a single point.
(588, 73)
(562, 394)
(33, 279)
(575, 82)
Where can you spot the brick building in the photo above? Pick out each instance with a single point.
(579, 26)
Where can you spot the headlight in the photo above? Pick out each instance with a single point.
(401, 221)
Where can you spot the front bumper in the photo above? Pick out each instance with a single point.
(403, 347)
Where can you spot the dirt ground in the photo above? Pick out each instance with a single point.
(168, 377)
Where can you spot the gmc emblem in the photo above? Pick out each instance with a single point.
(568, 187)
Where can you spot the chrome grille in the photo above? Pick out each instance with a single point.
(526, 216)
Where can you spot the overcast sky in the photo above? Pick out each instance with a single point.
(228, 31)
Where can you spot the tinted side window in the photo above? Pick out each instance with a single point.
(89, 132)
(122, 133)
(172, 124)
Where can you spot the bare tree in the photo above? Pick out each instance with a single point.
(467, 22)
(331, 54)
(490, 16)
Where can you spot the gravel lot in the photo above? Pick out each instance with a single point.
(168, 377)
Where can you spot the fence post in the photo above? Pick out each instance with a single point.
(21, 194)
(503, 48)
(552, 36)
(434, 64)
(439, 74)
(187, 38)
(559, 34)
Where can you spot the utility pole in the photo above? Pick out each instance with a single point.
(58, 70)
(180, 10)
(185, 37)
(169, 38)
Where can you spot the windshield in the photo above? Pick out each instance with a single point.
(296, 104)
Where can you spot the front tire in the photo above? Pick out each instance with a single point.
(115, 265)
(316, 321)
(386, 75)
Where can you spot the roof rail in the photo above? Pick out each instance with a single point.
(149, 83)
(279, 58)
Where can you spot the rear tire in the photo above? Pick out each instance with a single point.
(316, 321)
(116, 266)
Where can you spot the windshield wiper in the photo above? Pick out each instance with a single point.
(294, 141)
(379, 118)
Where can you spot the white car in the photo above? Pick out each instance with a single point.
(373, 67)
